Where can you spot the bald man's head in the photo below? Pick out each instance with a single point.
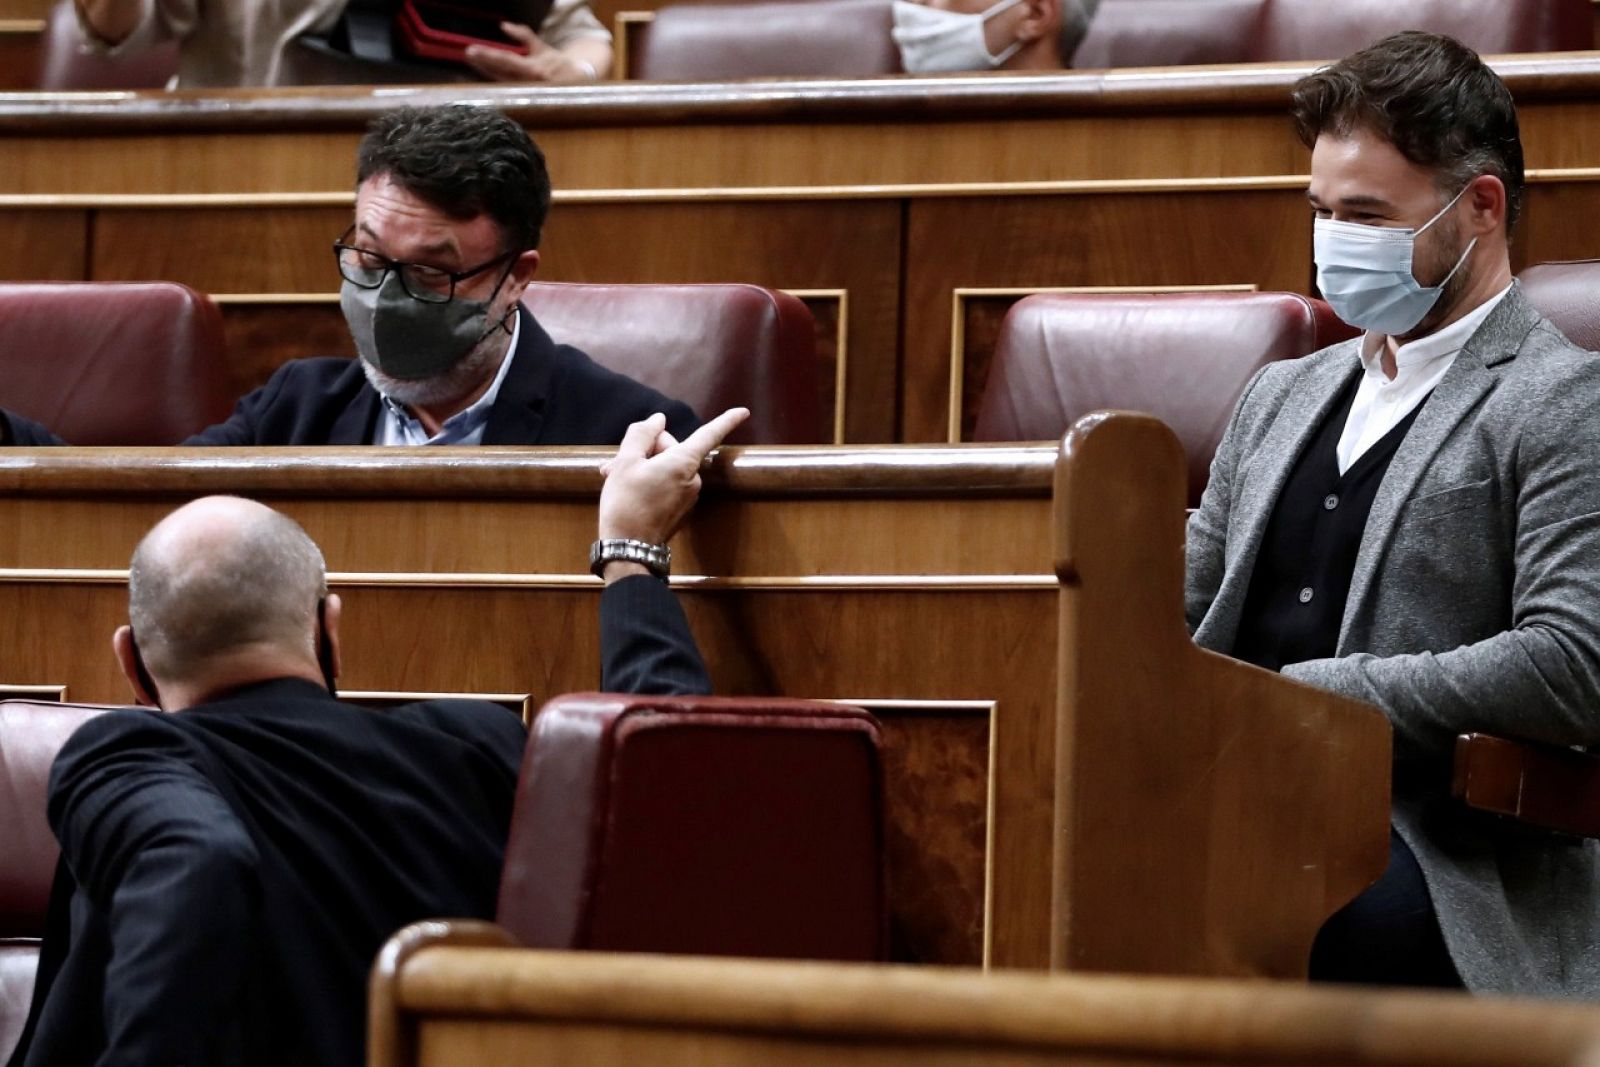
(223, 577)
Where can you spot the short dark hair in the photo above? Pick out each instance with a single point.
(465, 161)
(1432, 98)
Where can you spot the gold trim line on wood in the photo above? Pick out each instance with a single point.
(274, 298)
(22, 27)
(1080, 186)
(624, 25)
(958, 331)
(841, 348)
(52, 693)
(684, 583)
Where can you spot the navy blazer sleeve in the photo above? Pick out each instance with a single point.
(645, 642)
(159, 851)
(16, 430)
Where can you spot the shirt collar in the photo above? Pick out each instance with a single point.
(1425, 350)
(466, 426)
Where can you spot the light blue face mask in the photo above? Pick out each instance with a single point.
(1365, 273)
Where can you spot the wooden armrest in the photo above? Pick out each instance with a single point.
(1544, 786)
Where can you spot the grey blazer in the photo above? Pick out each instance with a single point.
(1475, 605)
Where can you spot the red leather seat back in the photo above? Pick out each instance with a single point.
(65, 64)
(113, 363)
(1568, 294)
(699, 825)
(1320, 29)
(1182, 357)
(796, 38)
(711, 346)
(1162, 33)
(31, 733)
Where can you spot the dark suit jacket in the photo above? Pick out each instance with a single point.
(552, 395)
(230, 872)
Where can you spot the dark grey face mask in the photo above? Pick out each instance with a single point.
(407, 339)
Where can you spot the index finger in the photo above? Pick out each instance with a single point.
(700, 443)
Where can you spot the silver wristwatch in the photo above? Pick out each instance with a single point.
(658, 558)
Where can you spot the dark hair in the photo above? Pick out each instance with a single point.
(465, 161)
(1432, 98)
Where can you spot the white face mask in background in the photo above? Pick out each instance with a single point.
(940, 42)
(1366, 273)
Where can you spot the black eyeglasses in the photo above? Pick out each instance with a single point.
(367, 269)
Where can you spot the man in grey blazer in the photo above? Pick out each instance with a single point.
(1413, 518)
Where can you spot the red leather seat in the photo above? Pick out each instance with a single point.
(113, 363)
(1318, 29)
(1569, 295)
(702, 825)
(1182, 357)
(65, 64)
(711, 346)
(31, 733)
(796, 38)
(1169, 33)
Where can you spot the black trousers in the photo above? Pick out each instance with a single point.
(1389, 935)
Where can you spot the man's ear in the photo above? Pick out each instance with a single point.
(332, 611)
(127, 654)
(1039, 17)
(1486, 204)
(523, 268)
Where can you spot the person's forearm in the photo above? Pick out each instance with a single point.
(111, 20)
(591, 52)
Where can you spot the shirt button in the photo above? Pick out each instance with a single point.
(1330, 501)
(1305, 595)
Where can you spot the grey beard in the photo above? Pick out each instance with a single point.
(468, 374)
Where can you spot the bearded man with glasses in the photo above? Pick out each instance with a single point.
(1412, 518)
(449, 207)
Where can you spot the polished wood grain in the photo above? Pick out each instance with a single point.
(1541, 787)
(38, 246)
(835, 573)
(1210, 815)
(447, 994)
(898, 191)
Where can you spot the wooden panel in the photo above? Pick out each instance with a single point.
(20, 44)
(24, 9)
(1554, 223)
(446, 994)
(798, 577)
(44, 246)
(1261, 238)
(222, 250)
(261, 337)
(801, 244)
(1271, 797)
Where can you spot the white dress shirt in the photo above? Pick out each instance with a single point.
(396, 426)
(1380, 402)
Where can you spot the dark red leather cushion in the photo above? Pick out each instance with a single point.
(113, 363)
(711, 346)
(64, 65)
(1329, 29)
(1183, 357)
(19, 959)
(718, 42)
(31, 733)
(1162, 33)
(1569, 295)
(701, 825)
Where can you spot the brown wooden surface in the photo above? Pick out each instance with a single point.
(438, 999)
(878, 576)
(1542, 787)
(1210, 815)
(897, 192)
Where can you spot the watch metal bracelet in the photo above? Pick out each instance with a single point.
(657, 558)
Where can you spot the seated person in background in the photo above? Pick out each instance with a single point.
(253, 42)
(449, 205)
(1412, 518)
(230, 871)
(945, 36)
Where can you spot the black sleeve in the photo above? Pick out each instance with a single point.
(240, 429)
(645, 643)
(681, 419)
(16, 430)
(157, 849)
